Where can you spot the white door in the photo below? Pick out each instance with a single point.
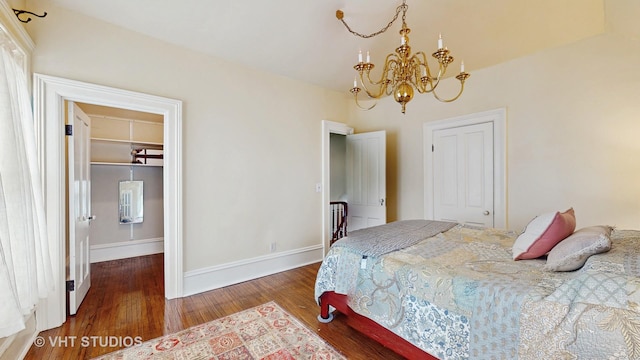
(366, 180)
(463, 174)
(79, 191)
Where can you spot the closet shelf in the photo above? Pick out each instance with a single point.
(147, 144)
(122, 164)
(117, 141)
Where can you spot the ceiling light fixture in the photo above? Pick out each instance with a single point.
(402, 71)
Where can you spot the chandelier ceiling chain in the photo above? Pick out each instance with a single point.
(403, 8)
(402, 71)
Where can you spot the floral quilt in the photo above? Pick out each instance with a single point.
(460, 295)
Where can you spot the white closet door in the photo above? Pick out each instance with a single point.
(463, 174)
(79, 191)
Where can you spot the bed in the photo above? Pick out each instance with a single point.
(456, 292)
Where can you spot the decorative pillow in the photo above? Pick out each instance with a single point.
(543, 233)
(571, 253)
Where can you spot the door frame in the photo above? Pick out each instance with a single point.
(499, 119)
(328, 128)
(49, 95)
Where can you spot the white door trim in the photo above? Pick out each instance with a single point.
(328, 128)
(49, 96)
(499, 119)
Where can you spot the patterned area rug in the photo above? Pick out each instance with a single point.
(263, 332)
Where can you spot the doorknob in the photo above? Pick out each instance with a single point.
(92, 217)
(486, 212)
(381, 202)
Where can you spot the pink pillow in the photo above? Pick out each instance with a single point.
(543, 233)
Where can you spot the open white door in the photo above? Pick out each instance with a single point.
(366, 179)
(463, 174)
(79, 209)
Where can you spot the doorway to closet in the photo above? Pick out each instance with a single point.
(50, 94)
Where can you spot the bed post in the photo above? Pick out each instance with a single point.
(325, 315)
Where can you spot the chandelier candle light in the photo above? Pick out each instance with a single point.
(402, 71)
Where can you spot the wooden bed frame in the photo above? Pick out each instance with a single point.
(368, 327)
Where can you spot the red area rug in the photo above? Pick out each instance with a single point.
(263, 332)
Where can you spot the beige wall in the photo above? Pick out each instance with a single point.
(17, 4)
(251, 140)
(573, 122)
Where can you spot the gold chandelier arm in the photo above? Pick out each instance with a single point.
(383, 83)
(391, 75)
(421, 57)
(462, 77)
(433, 85)
(381, 88)
(389, 62)
(355, 92)
(418, 78)
(441, 71)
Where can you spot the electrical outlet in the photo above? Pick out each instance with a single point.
(319, 187)
(272, 247)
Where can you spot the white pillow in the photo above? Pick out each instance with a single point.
(571, 253)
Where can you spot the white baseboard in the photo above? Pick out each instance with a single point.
(126, 249)
(214, 277)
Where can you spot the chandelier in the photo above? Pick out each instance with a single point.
(402, 71)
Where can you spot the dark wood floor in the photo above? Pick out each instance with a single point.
(126, 299)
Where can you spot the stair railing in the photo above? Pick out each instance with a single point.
(339, 212)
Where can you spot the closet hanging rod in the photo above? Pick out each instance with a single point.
(21, 12)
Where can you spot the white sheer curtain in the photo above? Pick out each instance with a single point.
(25, 264)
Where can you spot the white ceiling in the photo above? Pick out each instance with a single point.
(304, 40)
